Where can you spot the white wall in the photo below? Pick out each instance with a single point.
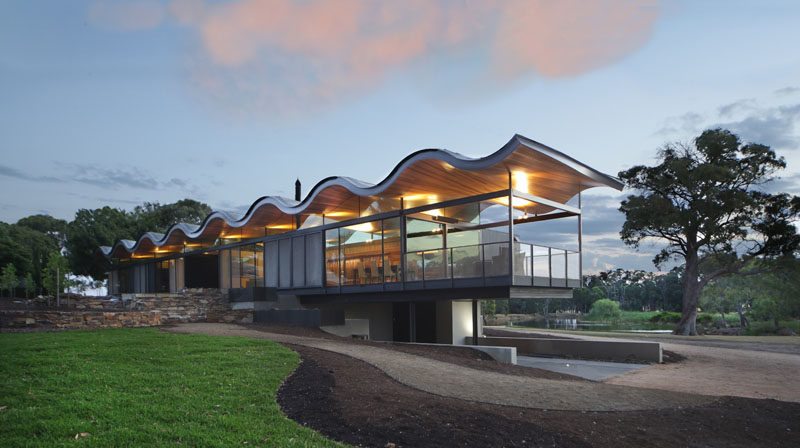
(462, 321)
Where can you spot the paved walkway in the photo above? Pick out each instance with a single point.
(740, 372)
(457, 381)
(591, 370)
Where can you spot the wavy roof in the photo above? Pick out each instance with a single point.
(432, 174)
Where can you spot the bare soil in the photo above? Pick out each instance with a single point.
(353, 402)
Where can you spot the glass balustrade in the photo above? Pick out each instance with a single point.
(533, 265)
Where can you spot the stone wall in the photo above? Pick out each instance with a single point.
(136, 310)
(16, 319)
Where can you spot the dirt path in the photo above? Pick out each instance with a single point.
(450, 380)
(716, 371)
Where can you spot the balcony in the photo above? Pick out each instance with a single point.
(488, 265)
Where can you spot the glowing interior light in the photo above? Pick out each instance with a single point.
(434, 212)
(336, 214)
(520, 180)
(518, 202)
(363, 227)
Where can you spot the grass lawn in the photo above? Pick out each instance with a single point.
(141, 387)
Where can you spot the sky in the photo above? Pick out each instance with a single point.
(121, 102)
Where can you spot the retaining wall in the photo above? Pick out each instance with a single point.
(137, 310)
(601, 350)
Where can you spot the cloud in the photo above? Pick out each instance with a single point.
(106, 178)
(787, 91)
(8, 171)
(737, 106)
(126, 15)
(284, 56)
(773, 126)
(784, 184)
(686, 124)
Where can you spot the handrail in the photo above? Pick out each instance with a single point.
(452, 263)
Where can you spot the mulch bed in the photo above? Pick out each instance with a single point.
(353, 402)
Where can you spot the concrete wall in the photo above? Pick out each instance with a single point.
(351, 327)
(601, 350)
(379, 316)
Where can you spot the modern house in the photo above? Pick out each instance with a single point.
(406, 259)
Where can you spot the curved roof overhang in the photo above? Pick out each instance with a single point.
(537, 170)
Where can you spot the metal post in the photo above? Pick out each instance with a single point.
(580, 242)
(510, 228)
(402, 268)
(475, 322)
(550, 265)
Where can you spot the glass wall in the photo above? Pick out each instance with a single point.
(426, 257)
(162, 276)
(242, 267)
(361, 253)
(332, 267)
(392, 250)
(364, 254)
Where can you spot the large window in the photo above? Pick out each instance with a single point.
(364, 254)
(332, 268)
(392, 251)
(242, 267)
(425, 258)
(361, 253)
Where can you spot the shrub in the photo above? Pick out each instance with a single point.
(666, 317)
(606, 310)
(704, 318)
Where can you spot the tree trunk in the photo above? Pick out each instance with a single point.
(742, 320)
(724, 322)
(691, 296)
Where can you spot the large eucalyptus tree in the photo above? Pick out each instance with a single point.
(707, 203)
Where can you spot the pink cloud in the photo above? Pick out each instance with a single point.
(126, 15)
(295, 54)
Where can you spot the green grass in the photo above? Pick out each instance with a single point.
(141, 387)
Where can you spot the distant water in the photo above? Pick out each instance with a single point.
(576, 324)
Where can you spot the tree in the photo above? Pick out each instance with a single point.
(488, 307)
(9, 279)
(605, 310)
(54, 276)
(29, 285)
(106, 226)
(703, 201)
(91, 229)
(46, 224)
(154, 217)
(12, 251)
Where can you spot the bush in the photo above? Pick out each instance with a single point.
(669, 317)
(605, 310)
(704, 318)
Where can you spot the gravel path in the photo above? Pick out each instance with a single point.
(744, 371)
(455, 381)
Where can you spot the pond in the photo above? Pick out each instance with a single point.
(576, 324)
